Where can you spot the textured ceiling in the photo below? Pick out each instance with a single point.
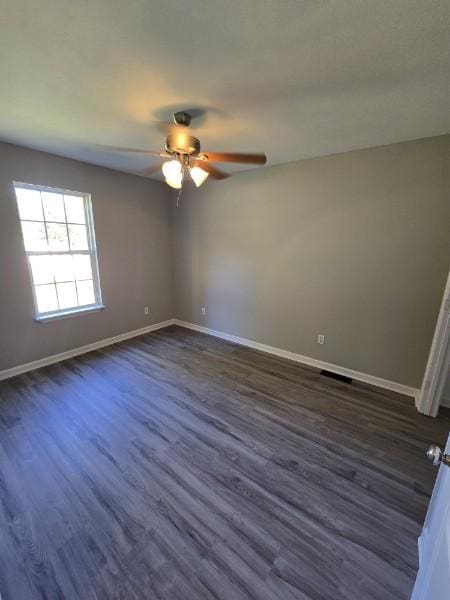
(292, 78)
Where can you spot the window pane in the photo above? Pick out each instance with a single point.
(78, 237)
(63, 266)
(57, 236)
(67, 295)
(34, 236)
(46, 298)
(53, 207)
(74, 209)
(29, 203)
(85, 292)
(42, 269)
(82, 266)
(58, 242)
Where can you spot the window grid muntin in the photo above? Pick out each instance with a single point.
(91, 251)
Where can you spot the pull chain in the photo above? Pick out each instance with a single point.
(181, 188)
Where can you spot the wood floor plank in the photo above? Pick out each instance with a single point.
(177, 465)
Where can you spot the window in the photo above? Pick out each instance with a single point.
(59, 240)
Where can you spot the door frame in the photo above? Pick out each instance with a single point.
(429, 397)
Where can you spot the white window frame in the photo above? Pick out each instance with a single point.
(91, 251)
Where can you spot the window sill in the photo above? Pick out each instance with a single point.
(69, 313)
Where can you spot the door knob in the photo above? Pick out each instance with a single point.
(436, 456)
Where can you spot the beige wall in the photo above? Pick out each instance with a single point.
(355, 246)
(133, 231)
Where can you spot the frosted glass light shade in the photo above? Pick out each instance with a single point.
(199, 176)
(173, 173)
(174, 183)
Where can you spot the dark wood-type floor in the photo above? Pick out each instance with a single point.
(179, 466)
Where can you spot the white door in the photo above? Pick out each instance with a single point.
(433, 577)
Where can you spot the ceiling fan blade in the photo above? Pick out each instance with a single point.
(150, 170)
(197, 115)
(253, 159)
(209, 168)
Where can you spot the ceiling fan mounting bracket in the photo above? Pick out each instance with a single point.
(182, 118)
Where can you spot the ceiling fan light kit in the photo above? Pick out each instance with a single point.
(173, 173)
(198, 175)
(185, 156)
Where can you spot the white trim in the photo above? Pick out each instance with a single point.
(312, 362)
(445, 401)
(49, 360)
(429, 397)
(71, 312)
(91, 251)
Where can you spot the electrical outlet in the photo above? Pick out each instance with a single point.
(321, 338)
(145, 310)
(203, 310)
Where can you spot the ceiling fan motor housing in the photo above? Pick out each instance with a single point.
(182, 143)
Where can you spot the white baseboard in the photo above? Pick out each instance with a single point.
(306, 360)
(445, 401)
(49, 360)
(313, 362)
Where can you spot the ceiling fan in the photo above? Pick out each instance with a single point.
(187, 158)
